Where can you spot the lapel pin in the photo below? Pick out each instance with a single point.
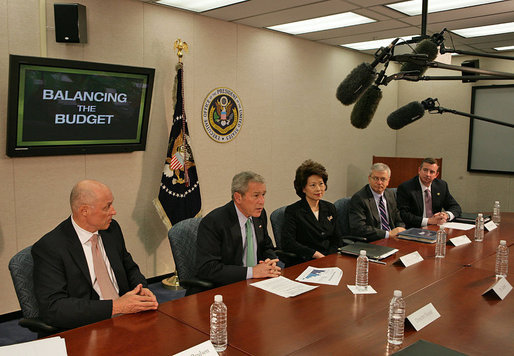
(438, 193)
(330, 218)
(260, 226)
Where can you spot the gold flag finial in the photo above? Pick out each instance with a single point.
(180, 47)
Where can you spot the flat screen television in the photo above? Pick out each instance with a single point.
(62, 107)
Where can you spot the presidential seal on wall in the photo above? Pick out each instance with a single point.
(222, 114)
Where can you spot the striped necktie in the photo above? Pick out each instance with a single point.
(383, 216)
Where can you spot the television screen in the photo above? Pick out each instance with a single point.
(58, 107)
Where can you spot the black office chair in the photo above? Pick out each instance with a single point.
(21, 266)
(277, 223)
(182, 238)
(342, 208)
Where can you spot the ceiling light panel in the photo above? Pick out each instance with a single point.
(413, 7)
(198, 5)
(364, 46)
(485, 30)
(506, 48)
(344, 19)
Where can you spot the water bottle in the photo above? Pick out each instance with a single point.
(496, 213)
(502, 259)
(440, 243)
(219, 324)
(396, 319)
(361, 273)
(479, 228)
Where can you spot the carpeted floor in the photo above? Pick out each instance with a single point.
(12, 333)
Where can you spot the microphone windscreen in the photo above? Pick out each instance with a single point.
(405, 115)
(355, 83)
(365, 107)
(428, 47)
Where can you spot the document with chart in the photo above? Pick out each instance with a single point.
(329, 275)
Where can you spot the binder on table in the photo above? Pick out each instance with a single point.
(469, 218)
(376, 252)
(421, 235)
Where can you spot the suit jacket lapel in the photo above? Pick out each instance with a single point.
(76, 251)
(372, 205)
(235, 232)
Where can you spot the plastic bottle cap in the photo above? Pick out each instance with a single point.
(397, 293)
(480, 215)
(441, 227)
(218, 298)
(497, 202)
(503, 242)
(363, 253)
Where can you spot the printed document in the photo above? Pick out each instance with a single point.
(330, 275)
(283, 286)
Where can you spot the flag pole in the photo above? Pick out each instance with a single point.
(180, 46)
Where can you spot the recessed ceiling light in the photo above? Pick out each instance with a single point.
(198, 5)
(322, 23)
(485, 30)
(414, 7)
(363, 46)
(506, 48)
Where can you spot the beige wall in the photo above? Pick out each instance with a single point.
(287, 86)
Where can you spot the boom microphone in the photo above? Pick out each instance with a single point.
(364, 110)
(361, 77)
(405, 115)
(428, 47)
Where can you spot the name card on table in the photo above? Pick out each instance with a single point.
(460, 240)
(411, 258)
(501, 288)
(204, 349)
(490, 226)
(424, 316)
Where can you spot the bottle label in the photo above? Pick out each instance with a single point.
(424, 316)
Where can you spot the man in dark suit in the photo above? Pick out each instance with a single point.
(421, 200)
(233, 242)
(373, 213)
(82, 270)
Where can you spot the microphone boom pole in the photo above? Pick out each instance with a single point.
(441, 110)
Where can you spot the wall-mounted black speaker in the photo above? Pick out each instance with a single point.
(70, 23)
(472, 63)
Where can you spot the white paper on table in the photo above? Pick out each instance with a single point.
(369, 290)
(458, 226)
(54, 346)
(283, 286)
(329, 275)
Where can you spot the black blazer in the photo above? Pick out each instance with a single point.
(411, 203)
(62, 281)
(365, 218)
(303, 234)
(219, 247)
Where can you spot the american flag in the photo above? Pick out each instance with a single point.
(179, 193)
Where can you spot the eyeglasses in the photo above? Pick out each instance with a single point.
(382, 179)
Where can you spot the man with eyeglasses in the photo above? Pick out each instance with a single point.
(373, 211)
(425, 200)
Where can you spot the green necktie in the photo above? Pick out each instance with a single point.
(250, 258)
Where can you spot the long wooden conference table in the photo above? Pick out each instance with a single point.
(330, 319)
